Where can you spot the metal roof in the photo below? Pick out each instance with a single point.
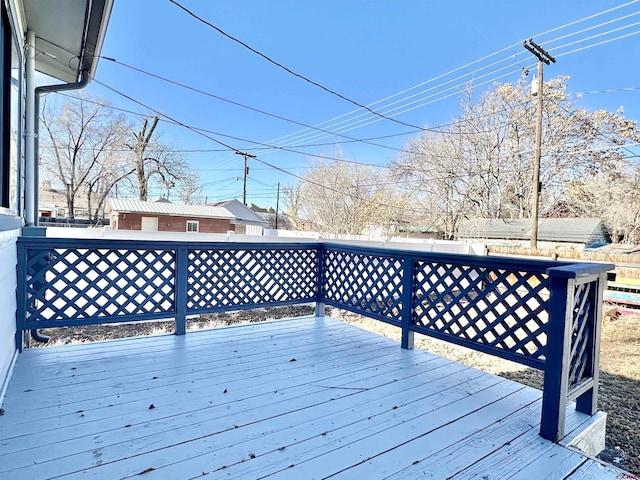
(574, 230)
(69, 35)
(242, 213)
(123, 205)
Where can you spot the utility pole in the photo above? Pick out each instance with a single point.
(543, 57)
(246, 172)
(277, 204)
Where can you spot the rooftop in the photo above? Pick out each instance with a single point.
(166, 208)
(576, 230)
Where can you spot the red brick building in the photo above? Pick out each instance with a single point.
(164, 216)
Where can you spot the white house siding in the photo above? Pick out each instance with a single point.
(8, 260)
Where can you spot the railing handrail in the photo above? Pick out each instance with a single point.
(114, 243)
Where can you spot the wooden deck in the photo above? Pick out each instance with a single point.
(296, 399)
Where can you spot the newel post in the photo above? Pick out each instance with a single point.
(180, 289)
(407, 307)
(320, 283)
(573, 343)
(556, 370)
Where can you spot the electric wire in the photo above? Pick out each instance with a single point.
(418, 106)
(233, 149)
(288, 70)
(444, 75)
(500, 61)
(565, 53)
(603, 42)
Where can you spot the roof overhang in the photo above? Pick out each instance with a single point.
(69, 35)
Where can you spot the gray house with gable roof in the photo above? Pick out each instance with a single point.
(583, 232)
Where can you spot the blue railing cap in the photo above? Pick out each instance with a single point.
(538, 265)
(115, 243)
(560, 269)
(580, 269)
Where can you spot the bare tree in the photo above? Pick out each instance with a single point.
(189, 189)
(82, 137)
(155, 162)
(482, 166)
(89, 149)
(139, 146)
(346, 199)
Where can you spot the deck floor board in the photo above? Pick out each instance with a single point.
(302, 398)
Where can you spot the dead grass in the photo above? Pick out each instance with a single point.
(619, 362)
(97, 333)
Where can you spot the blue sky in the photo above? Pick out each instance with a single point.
(365, 50)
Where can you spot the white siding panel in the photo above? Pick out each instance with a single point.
(8, 260)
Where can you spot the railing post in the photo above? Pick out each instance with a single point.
(319, 283)
(556, 371)
(407, 307)
(180, 292)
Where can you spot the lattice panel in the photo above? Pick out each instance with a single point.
(503, 309)
(367, 283)
(584, 301)
(76, 283)
(220, 278)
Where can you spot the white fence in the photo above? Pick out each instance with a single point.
(415, 244)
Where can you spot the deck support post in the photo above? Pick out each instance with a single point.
(320, 307)
(407, 308)
(556, 372)
(180, 292)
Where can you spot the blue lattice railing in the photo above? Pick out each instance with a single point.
(543, 314)
(72, 282)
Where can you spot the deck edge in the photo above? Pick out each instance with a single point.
(589, 436)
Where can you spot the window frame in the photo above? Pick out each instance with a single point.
(11, 141)
(192, 222)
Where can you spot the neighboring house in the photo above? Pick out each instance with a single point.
(53, 203)
(63, 40)
(582, 232)
(246, 220)
(164, 216)
(268, 215)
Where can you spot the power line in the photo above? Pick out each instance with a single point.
(204, 132)
(457, 69)
(597, 35)
(184, 125)
(303, 153)
(598, 44)
(288, 70)
(461, 76)
(351, 139)
(364, 140)
(238, 104)
(423, 104)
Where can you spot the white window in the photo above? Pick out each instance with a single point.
(149, 224)
(193, 226)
